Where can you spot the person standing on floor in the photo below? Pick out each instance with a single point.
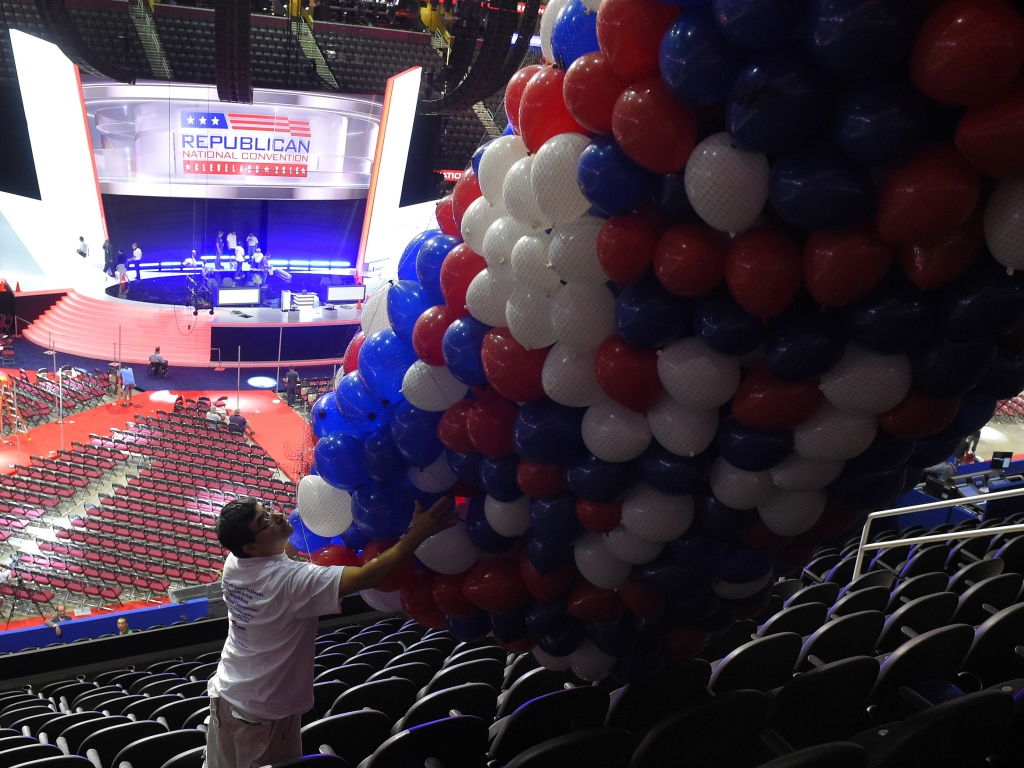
(126, 382)
(291, 384)
(83, 247)
(108, 258)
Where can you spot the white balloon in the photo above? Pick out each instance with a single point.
(569, 379)
(547, 23)
(501, 238)
(630, 548)
(517, 193)
(613, 433)
(790, 513)
(324, 509)
(799, 474)
(583, 316)
(436, 478)
(573, 251)
(596, 564)
(738, 488)
(382, 601)
(589, 662)
(487, 296)
(432, 387)
(696, 376)
(546, 660)
(530, 263)
(375, 312)
(684, 431)
(867, 382)
(833, 434)
(477, 220)
(499, 156)
(592, 5)
(553, 178)
(726, 186)
(656, 516)
(733, 591)
(509, 518)
(528, 317)
(449, 551)
(1004, 224)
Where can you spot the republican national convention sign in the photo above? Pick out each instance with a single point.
(178, 140)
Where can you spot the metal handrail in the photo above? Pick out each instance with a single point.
(864, 546)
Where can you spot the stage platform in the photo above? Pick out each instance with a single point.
(91, 323)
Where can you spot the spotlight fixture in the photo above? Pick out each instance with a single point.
(195, 312)
(211, 310)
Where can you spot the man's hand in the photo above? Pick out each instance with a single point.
(426, 524)
(57, 628)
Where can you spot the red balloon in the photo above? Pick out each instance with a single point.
(629, 33)
(918, 415)
(467, 189)
(625, 246)
(458, 269)
(590, 603)
(397, 581)
(655, 130)
(524, 644)
(841, 266)
(489, 424)
(991, 135)
(685, 643)
(496, 585)
(628, 375)
(536, 479)
(600, 517)
(447, 592)
(639, 599)
(968, 51)
(927, 196)
(428, 332)
(546, 586)
(351, 360)
(542, 111)
(464, 490)
(764, 271)
(935, 264)
(512, 369)
(591, 89)
(758, 536)
(690, 259)
(765, 402)
(444, 211)
(335, 554)
(514, 92)
(418, 600)
(835, 520)
(451, 429)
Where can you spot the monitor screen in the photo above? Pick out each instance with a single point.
(1001, 459)
(238, 297)
(346, 293)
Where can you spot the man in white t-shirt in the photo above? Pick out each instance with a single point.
(83, 247)
(264, 682)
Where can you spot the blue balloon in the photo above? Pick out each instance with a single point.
(613, 637)
(302, 538)
(816, 187)
(647, 314)
(718, 520)
(612, 182)
(499, 478)
(554, 518)
(383, 361)
(509, 130)
(382, 512)
(725, 326)
(339, 461)
(326, 418)
(984, 304)
(415, 434)
(461, 345)
(548, 556)
(974, 413)
(803, 343)
(1004, 379)
(885, 452)
(548, 618)
(482, 534)
(671, 581)
(868, 490)
(384, 462)
(669, 194)
(548, 432)
(777, 101)
(354, 539)
(466, 466)
(859, 39)
(565, 642)
(742, 565)
(479, 153)
(509, 627)
(358, 407)
(671, 473)
(596, 480)
(428, 265)
(893, 319)
(717, 620)
(928, 453)
(697, 63)
(880, 122)
(758, 24)
(753, 450)
(407, 300)
(697, 552)
(940, 369)
(573, 34)
(407, 261)
(469, 628)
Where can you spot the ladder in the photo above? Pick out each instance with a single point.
(10, 414)
(485, 117)
(301, 30)
(142, 17)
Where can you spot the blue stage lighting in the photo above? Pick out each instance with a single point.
(261, 382)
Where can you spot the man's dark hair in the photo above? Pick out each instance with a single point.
(233, 529)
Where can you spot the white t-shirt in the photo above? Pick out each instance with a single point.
(266, 667)
(137, 253)
(239, 253)
(252, 241)
(232, 240)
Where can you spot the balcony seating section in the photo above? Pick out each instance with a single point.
(363, 63)
(188, 43)
(277, 58)
(113, 35)
(20, 16)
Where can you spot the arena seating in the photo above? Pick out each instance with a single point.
(364, 58)
(109, 30)
(187, 38)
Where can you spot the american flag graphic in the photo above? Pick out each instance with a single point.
(241, 121)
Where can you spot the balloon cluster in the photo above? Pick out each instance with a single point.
(735, 275)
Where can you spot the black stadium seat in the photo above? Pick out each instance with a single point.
(71, 738)
(802, 619)
(22, 755)
(993, 655)
(416, 672)
(986, 598)
(836, 755)
(353, 736)
(104, 745)
(392, 697)
(760, 665)
(490, 671)
(868, 599)
(636, 707)
(971, 574)
(594, 748)
(476, 699)
(193, 758)
(816, 593)
(534, 683)
(918, 616)
(56, 727)
(548, 716)
(919, 586)
(843, 637)
(176, 713)
(456, 742)
(152, 751)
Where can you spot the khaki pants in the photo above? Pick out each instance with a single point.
(235, 739)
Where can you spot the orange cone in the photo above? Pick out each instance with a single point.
(17, 287)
